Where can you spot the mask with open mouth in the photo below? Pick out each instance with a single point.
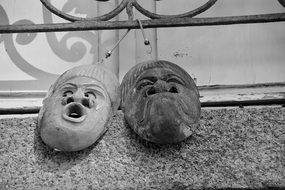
(78, 107)
(160, 102)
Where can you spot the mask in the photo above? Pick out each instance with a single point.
(78, 107)
(160, 102)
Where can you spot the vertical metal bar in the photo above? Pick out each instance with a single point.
(108, 39)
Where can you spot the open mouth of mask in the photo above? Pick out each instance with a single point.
(74, 112)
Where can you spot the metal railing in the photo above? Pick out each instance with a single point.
(154, 20)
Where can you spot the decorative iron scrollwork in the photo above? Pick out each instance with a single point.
(282, 2)
(191, 13)
(71, 18)
(103, 22)
(124, 5)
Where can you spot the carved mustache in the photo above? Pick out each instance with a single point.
(181, 106)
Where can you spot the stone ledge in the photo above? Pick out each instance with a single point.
(233, 148)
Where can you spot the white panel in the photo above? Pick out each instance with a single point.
(233, 54)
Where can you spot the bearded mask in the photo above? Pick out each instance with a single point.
(77, 108)
(160, 102)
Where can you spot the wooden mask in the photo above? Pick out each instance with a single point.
(160, 102)
(78, 107)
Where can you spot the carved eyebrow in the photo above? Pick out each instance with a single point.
(90, 85)
(150, 78)
(96, 91)
(171, 76)
(68, 85)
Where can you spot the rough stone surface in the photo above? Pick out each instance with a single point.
(233, 148)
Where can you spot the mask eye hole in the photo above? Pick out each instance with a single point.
(90, 94)
(67, 93)
(143, 83)
(150, 91)
(173, 89)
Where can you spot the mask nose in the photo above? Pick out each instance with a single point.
(80, 97)
(161, 86)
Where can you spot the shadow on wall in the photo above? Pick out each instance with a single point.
(35, 63)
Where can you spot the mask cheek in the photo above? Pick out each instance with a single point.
(58, 133)
(52, 107)
(134, 110)
(101, 113)
(101, 104)
(50, 128)
(51, 110)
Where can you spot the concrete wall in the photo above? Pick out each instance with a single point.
(235, 54)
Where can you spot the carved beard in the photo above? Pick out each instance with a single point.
(163, 114)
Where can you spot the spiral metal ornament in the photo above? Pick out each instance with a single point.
(71, 18)
(282, 2)
(124, 5)
(191, 13)
(104, 22)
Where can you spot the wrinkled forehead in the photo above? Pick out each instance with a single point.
(157, 72)
(82, 82)
(165, 73)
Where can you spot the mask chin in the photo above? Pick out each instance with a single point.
(74, 112)
(165, 118)
(73, 128)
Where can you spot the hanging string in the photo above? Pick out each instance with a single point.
(146, 41)
(109, 52)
